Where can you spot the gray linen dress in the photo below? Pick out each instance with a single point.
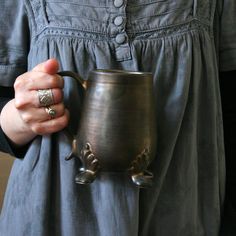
(184, 43)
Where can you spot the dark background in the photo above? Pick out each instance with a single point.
(228, 98)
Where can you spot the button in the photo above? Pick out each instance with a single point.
(118, 3)
(120, 38)
(118, 20)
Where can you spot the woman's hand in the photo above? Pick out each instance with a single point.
(24, 117)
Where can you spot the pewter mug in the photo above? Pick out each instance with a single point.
(117, 130)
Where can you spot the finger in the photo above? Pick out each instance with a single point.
(52, 125)
(38, 80)
(34, 116)
(50, 66)
(31, 98)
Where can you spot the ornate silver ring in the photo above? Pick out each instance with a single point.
(45, 97)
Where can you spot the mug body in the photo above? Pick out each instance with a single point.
(118, 118)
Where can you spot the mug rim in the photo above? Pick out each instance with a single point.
(116, 71)
(110, 75)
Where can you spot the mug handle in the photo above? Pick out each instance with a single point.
(82, 83)
(74, 76)
(85, 176)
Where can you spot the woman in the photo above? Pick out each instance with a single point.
(184, 44)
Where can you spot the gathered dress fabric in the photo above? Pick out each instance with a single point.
(184, 43)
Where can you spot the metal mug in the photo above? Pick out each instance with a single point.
(117, 129)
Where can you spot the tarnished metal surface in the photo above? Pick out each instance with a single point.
(117, 125)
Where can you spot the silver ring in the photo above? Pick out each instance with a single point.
(51, 112)
(45, 97)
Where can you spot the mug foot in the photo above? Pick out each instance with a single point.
(90, 166)
(143, 180)
(85, 177)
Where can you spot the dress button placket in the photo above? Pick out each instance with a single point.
(121, 38)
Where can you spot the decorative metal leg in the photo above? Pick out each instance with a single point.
(138, 171)
(74, 152)
(90, 166)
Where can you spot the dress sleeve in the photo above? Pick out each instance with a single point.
(14, 43)
(7, 93)
(227, 35)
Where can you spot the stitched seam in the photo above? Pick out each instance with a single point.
(76, 4)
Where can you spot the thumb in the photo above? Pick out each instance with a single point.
(50, 66)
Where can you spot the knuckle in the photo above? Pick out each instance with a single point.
(61, 122)
(61, 107)
(20, 102)
(38, 129)
(19, 82)
(65, 120)
(53, 81)
(27, 118)
(58, 95)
